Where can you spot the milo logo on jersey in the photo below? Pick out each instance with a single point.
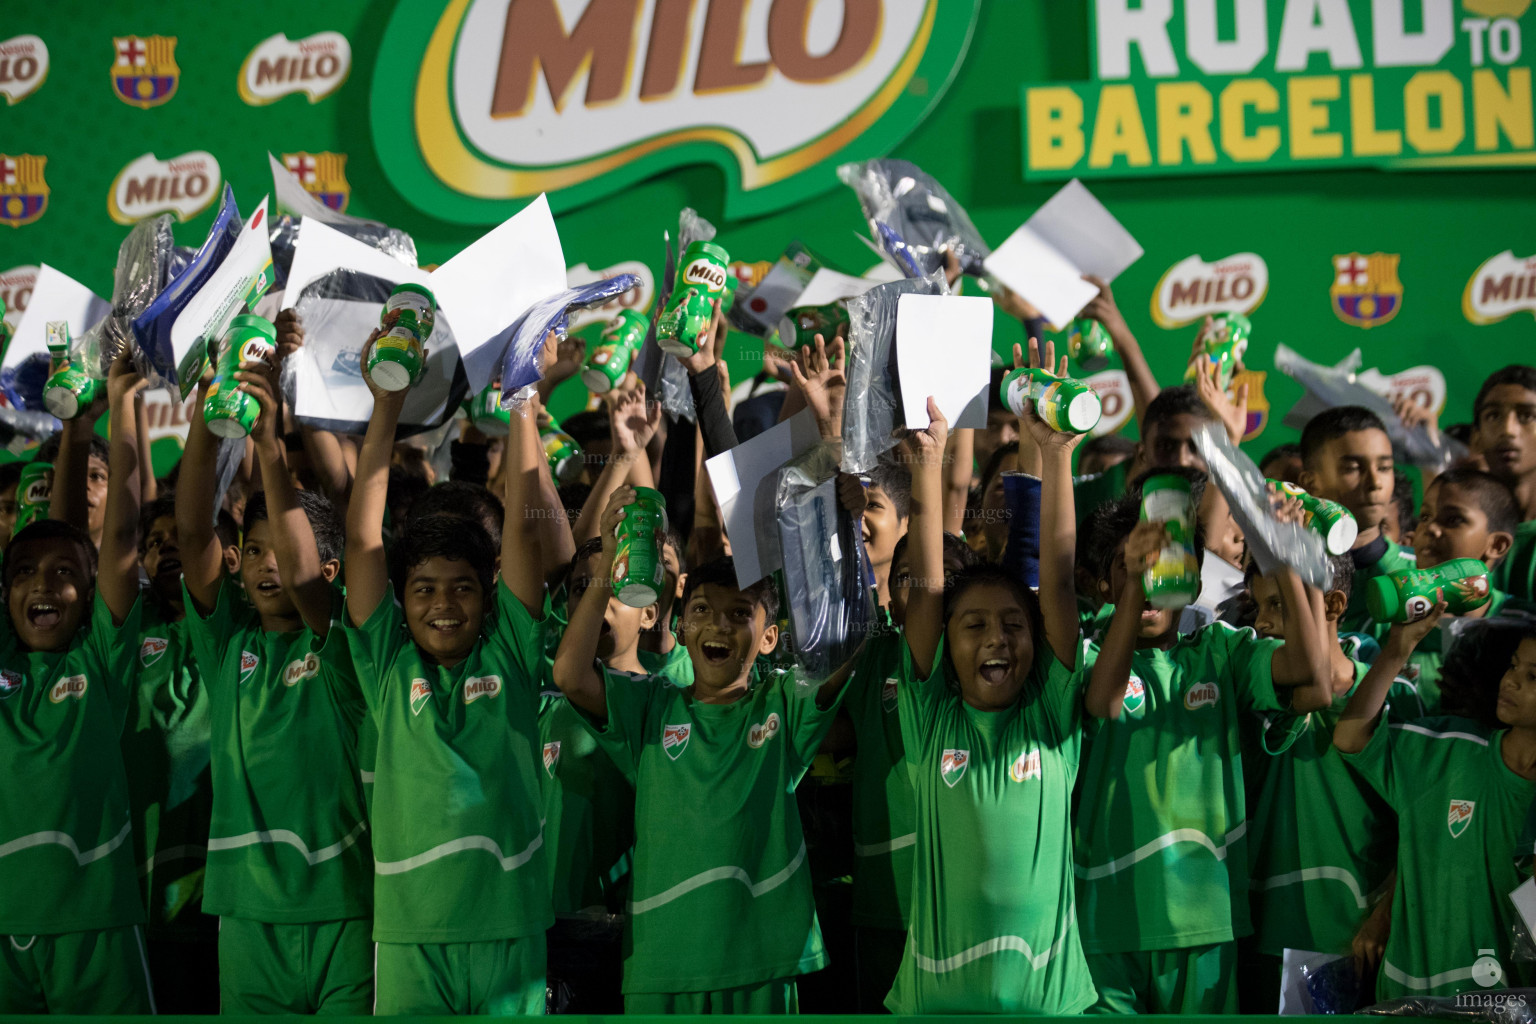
(248, 663)
(481, 686)
(888, 695)
(674, 738)
(74, 686)
(10, 682)
(300, 669)
(1201, 695)
(152, 650)
(1459, 816)
(953, 765)
(551, 757)
(1135, 695)
(1025, 766)
(421, 692)
(763, 732)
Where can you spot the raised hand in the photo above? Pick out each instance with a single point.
(926, 446)
(1413, 415)
(258, 378)
(290, 333)
(569, 354)
(1143, 545)
(711, 342)
(820, 376)
(1029, 423)
(123, 381)
(632, 420)
(379, 394)
(1102, 307)
(1230, 410)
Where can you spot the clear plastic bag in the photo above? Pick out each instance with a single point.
(872, 408)
(520, 367)
(676, 398)
(1331, 386)
(1333, 984)
(913, 218)
(1271, 542)
(21, 429)
(21, 385)
(294, 203)
(831, 609)
(146, 263)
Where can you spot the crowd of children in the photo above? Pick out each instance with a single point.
(352, 739)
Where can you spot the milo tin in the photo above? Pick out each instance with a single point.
(1173, 581)
(70, 392)
(33, 489)
(704, 277)
(228, 411)
(629, 328)
(1335, 523)
(639, 575)
(487, 415)
(1066, 405)
(607, 365)
(564, 455)
(415, 300)
(1224, 344)
(399, 354)
(1411, 594)
(800, 325)
(1088, 345)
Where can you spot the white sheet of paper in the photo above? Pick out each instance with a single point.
(1524, 899)
(744, 481)
(829, 286)
(943, 349)
(320, 249)
(1071, 235)
(486, 287)
(55, 296)
(882, 272)
(223, 294)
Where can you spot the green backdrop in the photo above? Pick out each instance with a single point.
(1443, 225)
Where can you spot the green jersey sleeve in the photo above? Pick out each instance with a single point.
(374, 645)
(518, 638)
(629, 699)
(114, 646)
(1374, 763)
(212, 633)
(918, 697)
(1250, 659)
(1516, 575)
(807, 721)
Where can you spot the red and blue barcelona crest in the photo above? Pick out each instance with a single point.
(323, 175)
(23, 192)
(144, 72)
(1366, 291)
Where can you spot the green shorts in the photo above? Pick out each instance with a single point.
(774, 997)
(500, 977)
(1193, 979)
(322, 967)
(100, 972)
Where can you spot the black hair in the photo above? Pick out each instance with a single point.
(1402, 498)
(995, 390)
(10, 475)
(680, 547)
(587, 428)
(588, 548)
(1516, 374)
(1335, 423)
(443, 536)
(1108, 445)
(1343, 567)
(1492, 495)
(226, 529)
(40, 531)
(896, 481)
(161, 508)
(722, 573)
(994, 466)
(1461, 432)
(1475, 664)
(1183, 400)
(463, 499)
(404, 487)
(330, 536)
(1289, 450)
(986, 574)
(48, 451)
(955, 549)
(1098, 538)
(1118, 518)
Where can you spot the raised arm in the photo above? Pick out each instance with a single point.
(925, 601)
(1303, 659)
(1111, 674)
(202, 557)
(632, 422)
(117, 575)
(1361, 715)
(959, 462)
(704, 382)
(367, 566)
(522, 555)
(149, 487)
(576, 671)
(1102, 307)
(71, 468)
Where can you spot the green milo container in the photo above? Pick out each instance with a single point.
(800, 325)
(1067, 406)
(606, 366)
(703, 277)
(487, 415)
(70, 392)
(564, 455)
(228, 411)
(1088, 345)
(1333, 521)
(1411, 594)
(34, 487)
(399, 354)
(1173, 581)
(1224, 344)
(629, 327)
(639, 575)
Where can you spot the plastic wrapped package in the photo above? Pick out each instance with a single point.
(825, 568)
(1490, 1005)
(21, 429)
(1332, 984)
(520, 366)
(759, 310)
(676, 399)
(323, 383)
(1271, 542)
(294, 203)
(21, 385)
(872, 406)
(146, 263)
(913, 218)
(1344, 384)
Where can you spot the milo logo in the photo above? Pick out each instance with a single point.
(481, 686)
(764, 731)
(706, 273)
(306, 667)
(1025, 766)
(1201, 695)
(254, 350)
(38, 491)
(69, 686)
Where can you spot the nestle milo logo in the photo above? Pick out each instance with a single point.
(579, 101)
(703, 272)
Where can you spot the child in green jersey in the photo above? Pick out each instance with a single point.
(1504, 436)
(1346, 457)
(1160, 854)
(721, 919)
(450, 662)
(990, 713)
(288, 853)
(1462, 789)
(71, 939)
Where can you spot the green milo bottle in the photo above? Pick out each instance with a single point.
(1173, 581)
(1411, 594)
(1335, 523)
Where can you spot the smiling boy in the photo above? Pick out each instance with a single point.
(1504, 434)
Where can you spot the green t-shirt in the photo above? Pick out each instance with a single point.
(675, 664)
(166, 753)
(884, 822)
(1516, 575)
(66, 863)
(457, 793)
(1426, 665)
(1459, 810)
(1321, 841)
(721, 890)
(994, 925)
(289, 838)
(589, 814)
(1089, 492)
(1357, 617)
(1161, 857)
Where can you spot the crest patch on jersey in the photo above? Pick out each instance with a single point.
(1459, 816)
(953, 765)
(888, 694)
(10, 682)
(248, 663)
(1135, 695)
(152, 650)
(674, 738)
(551, 757)
(421, 692)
